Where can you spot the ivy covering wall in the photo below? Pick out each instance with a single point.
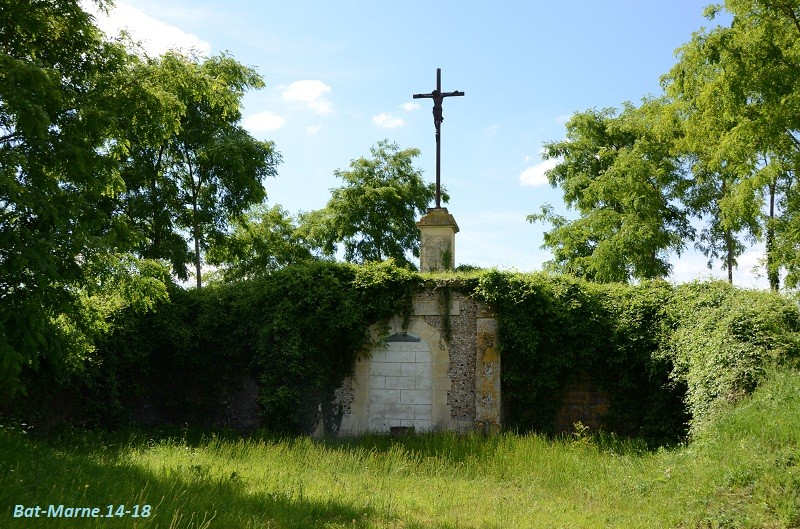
(298, 332)
(665, 355)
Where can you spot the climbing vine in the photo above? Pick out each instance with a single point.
(298, 332)
(665, 355)
(445, 305)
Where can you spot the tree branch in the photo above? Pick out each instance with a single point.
(790, 11)
(9, 137)
(793, 138)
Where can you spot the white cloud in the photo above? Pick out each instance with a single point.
(491, 132)
(263, 122)
(156, 36)
(311, 92)
(387, 121)
(563, 118)
(313, 130)
(410, 106)
(535, 175)
(751, 261)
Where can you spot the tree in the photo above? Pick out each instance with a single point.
(263, 240)
(374, 213)
(202, 168)
(619, 173)
(62, 90)
(740, 88)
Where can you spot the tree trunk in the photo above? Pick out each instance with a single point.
(197, 254)
(729, 258)
(195, 223)
(729, 254)
(772, 269)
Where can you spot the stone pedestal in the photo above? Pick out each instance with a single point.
(437, 249)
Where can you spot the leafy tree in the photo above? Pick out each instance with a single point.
(374, 213)
(197, 170)
(62, 92)
(740, 87)
(619, 173)
(263, 240)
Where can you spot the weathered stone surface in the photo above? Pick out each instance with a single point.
(451, 384)
(438, 217)
(437, 247)
(487, 380)
(426, 307)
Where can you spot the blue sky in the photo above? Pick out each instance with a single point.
(340, 76)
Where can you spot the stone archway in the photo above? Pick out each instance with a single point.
(381, 387)
(401, 384)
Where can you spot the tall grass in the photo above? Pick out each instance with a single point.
(741, 471)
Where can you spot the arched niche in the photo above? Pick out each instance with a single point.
(402, 382)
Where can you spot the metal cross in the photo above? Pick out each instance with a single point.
(438, 96)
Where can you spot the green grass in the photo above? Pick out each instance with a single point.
(741, 471)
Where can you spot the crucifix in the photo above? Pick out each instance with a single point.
(438, 96)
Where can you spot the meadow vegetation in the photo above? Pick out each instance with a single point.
(739, 470)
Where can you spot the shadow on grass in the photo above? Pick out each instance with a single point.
(93, 473)
(455, 448)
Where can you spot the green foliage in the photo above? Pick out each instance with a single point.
(63, 103)
(723, 342)
(298, 331)
(740, 472)
(551, 328)
(263, 240)
(738, 90)
(754, 446)
(374, 213)
(664, 354)
(195, 167)
(619, 173)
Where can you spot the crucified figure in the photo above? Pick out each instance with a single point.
(437, 109)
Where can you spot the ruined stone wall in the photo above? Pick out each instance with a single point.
(465, 375)
(461, 348)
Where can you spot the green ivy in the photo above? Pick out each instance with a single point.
(723, 341)
(666, 355)
(552, 327)
(298, 331)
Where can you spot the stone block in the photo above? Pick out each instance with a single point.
(416, 396)
(378, 355)
(400, 357)
(398, 411)
(376, 382)
(441, 383)
(419, 370)
(378, 396)
(421, 425)
(413, 347)
(439, 370)
(382, 424)
(422, 357)
(422, 383)
(400, 383)
(386, 369)
(423, 412)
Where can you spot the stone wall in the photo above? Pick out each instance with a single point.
(458, 378)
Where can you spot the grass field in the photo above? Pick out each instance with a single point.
(743, 471)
